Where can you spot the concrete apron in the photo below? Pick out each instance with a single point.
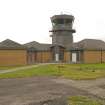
(57, 101)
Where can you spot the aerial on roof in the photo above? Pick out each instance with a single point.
(9, 44)
(90, 44)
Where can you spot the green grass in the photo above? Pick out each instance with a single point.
(72, 71)
(82, 100)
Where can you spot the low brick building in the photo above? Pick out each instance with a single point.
(88, 51)
(85, 51)
(38, 53)
(12, 53)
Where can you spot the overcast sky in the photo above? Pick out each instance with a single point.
(27, 20)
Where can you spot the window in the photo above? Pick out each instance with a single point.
(58, 21)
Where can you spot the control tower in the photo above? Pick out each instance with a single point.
(62, 30)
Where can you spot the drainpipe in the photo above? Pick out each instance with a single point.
(101, 55)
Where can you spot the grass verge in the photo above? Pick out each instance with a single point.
(82, 100)
(72, 71)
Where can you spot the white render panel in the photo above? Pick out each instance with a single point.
(74, 56)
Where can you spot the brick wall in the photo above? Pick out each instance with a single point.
(44, 57)
(94, 56)
(13, 57)
(67, 56)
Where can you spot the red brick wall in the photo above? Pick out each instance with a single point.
(94, 56)
(13, 57)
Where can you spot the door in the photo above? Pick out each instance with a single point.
(74, 57)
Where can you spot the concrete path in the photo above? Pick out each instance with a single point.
(20, 68)
(32, 91)
(95, 87)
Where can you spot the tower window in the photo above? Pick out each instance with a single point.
(58, 21)
(68, 21)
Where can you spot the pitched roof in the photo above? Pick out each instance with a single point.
(37, 46)
(9, 44)
(90, 44)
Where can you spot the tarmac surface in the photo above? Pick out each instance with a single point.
(31, 91)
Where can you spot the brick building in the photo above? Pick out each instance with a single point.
(62, 49)
(88, 51)
(12, 53)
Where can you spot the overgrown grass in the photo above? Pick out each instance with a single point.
(73, 71)
(82, 100)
